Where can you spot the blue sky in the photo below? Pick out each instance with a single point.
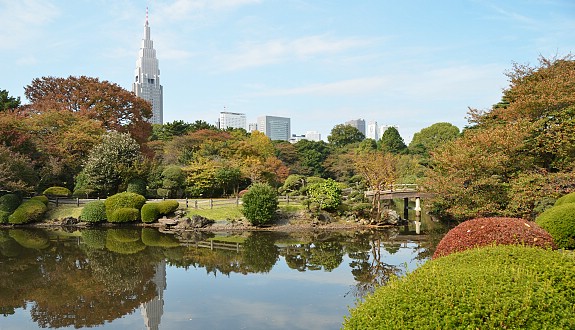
(319, 62)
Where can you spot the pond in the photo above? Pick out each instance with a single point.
(140, 278)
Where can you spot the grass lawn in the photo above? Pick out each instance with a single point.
(218, 213)
(63, 211)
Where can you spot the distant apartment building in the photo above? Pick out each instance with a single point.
(276, 128)
(357, 123)
(309, 135)
(372, 131)
(232, 120)
(252, 127)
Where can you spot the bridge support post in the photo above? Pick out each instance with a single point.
(417, 206)
(405, 208)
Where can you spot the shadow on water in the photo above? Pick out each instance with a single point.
(94, 276)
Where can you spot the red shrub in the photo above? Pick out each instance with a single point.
(487, 231)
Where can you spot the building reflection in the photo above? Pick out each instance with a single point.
(153, 310)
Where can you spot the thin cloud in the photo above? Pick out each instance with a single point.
(343, 87)
(22, 21)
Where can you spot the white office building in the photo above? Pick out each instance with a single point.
(372, 131)
(147, 77)
(232, 120)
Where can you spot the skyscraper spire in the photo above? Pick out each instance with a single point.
(147, 76)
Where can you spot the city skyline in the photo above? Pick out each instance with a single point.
(411, 64)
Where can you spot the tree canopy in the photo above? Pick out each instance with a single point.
(8, 102)
(343, 134)
(391, 141)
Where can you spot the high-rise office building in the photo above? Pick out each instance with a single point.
(147, 77)
(372, 131)
(357, 123)
(276, 128)
(232, 120)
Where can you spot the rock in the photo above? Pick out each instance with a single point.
(195, 222)
(69, 221)
(389, 217)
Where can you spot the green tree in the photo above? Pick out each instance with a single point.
(312, 154)
(260, 204)
(173, 179)
(343, 134)
(110, 163)
(326, 195)
(229, 179)
(392, 142)
(432, 137)
(8, 102)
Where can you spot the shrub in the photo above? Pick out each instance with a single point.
(167, 207)
(94, 211)
(150, 212)
(260, 203)
(57, 191)
(137, 186)
(4, 217)
(326, 194)
(488, 231)
(152, 237)
(499, 287)
(566, 199)
(559, 221)
(123, 200)
(10, 202)
(29, 211)
(125, 214)
(41, 198)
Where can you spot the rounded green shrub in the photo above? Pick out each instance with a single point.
(167, 207)
(94, 211)
(30, 211)
(10, 202)
(559, 221)
(123, 200)
(498, 287)
(152, 237)
(488, 231)
(565, 199)
(4, 217)
(137, 186)
(260, 203)
(41, 198)
(57, 192)
(125, 214)
(30, 238)
(326, 194)
(150, 212)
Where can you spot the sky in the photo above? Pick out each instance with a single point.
(321, 63)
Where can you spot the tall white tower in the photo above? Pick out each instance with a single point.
(147, 77)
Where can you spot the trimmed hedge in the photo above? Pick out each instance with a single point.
(10, 202)
(167, 207)
(57, 191)
(260, 204)
(4, 217)
(125, 214)
(150, 212)
(488, 231)
(94, 211)
(559, 221)
(499, 287)
(29, 211)
(566, 199)
(41, 198)
(123, 200)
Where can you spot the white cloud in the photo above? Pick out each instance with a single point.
(22, 20)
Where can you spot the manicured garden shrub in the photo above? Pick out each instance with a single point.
(125, 214)
(123, 200)
(326, 194)
(41, 198)
(152, 237)
(94, 211)
(488, 231)
(559, 221)
(137, 186)
(150, 212)
(94, 238)
(10, 202)
(496, 287)
(30, 238)
(30, 211)
(566, 199)
(57, 192)
(4, 217)
(260, 204)
(167, 207)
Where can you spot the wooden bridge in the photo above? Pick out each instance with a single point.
(405, 190)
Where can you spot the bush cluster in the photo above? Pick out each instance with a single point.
(123, 200)
(260, 203)
(487, 231)
(30, 211)
(41, 198)
(125, 214)
(497, 287)
(559, 221)
(8, 204)
(57, 191)
(565, 199)
(152, 211)
(94, 211)
(167, 207)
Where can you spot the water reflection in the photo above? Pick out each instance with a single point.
(92, 277)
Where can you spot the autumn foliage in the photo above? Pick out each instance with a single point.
(493, 231)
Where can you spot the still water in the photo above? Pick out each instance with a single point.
(144, 279)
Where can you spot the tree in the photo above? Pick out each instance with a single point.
(16, 171)
(312, 154)
(326, 195)
(173, 180)
(8, 102)
(432, 137)
(116, 108)
(378, 171)
(110, 163)
(391, 141)
(229, 179)
(343, 134)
